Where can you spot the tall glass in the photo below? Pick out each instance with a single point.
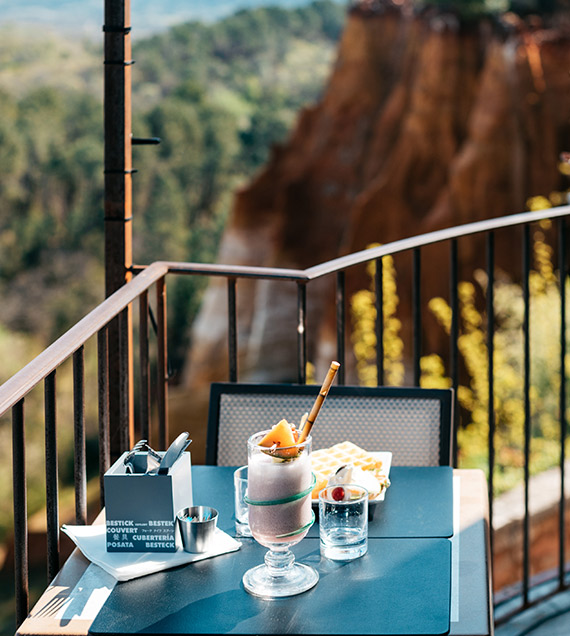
(280, 515)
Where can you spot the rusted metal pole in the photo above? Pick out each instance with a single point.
(118, 213)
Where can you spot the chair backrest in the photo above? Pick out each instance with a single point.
(415, 424)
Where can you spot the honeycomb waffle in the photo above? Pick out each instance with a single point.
(326, 460)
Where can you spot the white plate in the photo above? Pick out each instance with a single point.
(386, 458)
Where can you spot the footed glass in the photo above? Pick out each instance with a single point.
(280, 515)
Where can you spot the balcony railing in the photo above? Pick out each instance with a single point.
(96, 324)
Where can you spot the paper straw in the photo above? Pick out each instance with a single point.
(319, 401)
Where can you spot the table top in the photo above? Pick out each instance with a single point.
(419, 503)
(383, 592)
(83, 597)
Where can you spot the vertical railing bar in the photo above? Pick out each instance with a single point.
(379, 300)
(562, 399)
(491, 371)
(453, 341)
(417, 315)
(232, 330)
(79, 459)
(162, 363)
(52, 499)
(340, 323)
(144, 363)
(527, 423)
(126, 425)
(103, 403)
(301, 333)
(21, 569)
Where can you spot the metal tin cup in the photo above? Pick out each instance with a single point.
(197, 528)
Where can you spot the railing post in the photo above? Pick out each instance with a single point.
(301, 333)
(417, 315)
(527, 422)
(124, 429)
(52, 498)
(562, 273)
(162, 363)
(20, 513)
(103, 389)
(79, 459)
(453, 342)
(379, 326)
(491, 369)
(118, 207)
(232, 330)
(144, 367)
(340, 323)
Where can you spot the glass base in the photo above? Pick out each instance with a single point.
(242, 529)
(346, 552)
(287, 579)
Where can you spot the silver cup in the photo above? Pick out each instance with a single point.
(197, 527)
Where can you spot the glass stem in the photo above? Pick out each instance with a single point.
(279, 563)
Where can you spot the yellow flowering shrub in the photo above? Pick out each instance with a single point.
(363, 312)
(508, 362)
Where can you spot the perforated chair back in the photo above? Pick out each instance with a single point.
(415, 424)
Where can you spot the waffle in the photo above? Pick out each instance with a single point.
(326, 460)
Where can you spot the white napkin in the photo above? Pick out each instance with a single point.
(129, 565)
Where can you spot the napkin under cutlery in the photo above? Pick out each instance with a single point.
(124, 566)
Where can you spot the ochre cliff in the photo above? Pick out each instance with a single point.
(425, 123)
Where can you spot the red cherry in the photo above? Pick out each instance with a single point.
(338, 493)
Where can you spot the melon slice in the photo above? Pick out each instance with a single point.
(281, 435)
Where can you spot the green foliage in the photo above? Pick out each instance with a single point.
(363, 313)
(474, 9)
(217, 95)
(508, 363)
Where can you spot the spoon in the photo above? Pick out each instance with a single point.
(174, 451)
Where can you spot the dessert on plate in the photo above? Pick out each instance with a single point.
(347, 463)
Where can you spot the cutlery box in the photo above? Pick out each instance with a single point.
(141, 508)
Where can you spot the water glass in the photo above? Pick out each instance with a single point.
(241, 508)
(343, 522)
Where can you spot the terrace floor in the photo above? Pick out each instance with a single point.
(549, 618)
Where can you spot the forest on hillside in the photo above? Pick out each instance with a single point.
(218, 96)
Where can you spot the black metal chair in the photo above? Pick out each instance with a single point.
(415, 424)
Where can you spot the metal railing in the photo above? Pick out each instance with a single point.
(96, 325)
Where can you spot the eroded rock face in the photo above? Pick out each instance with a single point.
(425, 123)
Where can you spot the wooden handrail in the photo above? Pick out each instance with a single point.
(14, 389)
(458, 231)
(38, 369)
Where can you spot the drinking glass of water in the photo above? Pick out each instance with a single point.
(343, 522)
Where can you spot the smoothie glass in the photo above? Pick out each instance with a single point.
(280, 515)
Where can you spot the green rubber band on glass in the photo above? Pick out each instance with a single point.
(276, 502)
(302, 529)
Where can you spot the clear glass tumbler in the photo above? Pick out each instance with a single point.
(240, 505)
(343, 522)
(280, 515)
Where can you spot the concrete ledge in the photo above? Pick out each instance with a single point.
(508, 523)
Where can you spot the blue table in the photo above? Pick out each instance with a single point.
(207, 597)
(402, 586)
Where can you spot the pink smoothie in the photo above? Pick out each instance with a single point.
(269, 479)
